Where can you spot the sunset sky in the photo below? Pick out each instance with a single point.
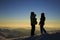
(16, 13)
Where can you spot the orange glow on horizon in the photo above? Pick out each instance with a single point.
(15, 25)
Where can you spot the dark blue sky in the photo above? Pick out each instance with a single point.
(19, 10)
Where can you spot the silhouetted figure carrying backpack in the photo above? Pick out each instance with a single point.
(41, 23)
(33, 20)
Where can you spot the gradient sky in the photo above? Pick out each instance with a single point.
(17, 12)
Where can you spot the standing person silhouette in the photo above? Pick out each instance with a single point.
(42, 22)
(33, 23)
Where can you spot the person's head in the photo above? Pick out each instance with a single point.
(32, 13)
(42, 15)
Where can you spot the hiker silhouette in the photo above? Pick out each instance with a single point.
(42, 22)
(33, 22)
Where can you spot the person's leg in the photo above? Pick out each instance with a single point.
(41, 29)
(44, 30)
(32, 30)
